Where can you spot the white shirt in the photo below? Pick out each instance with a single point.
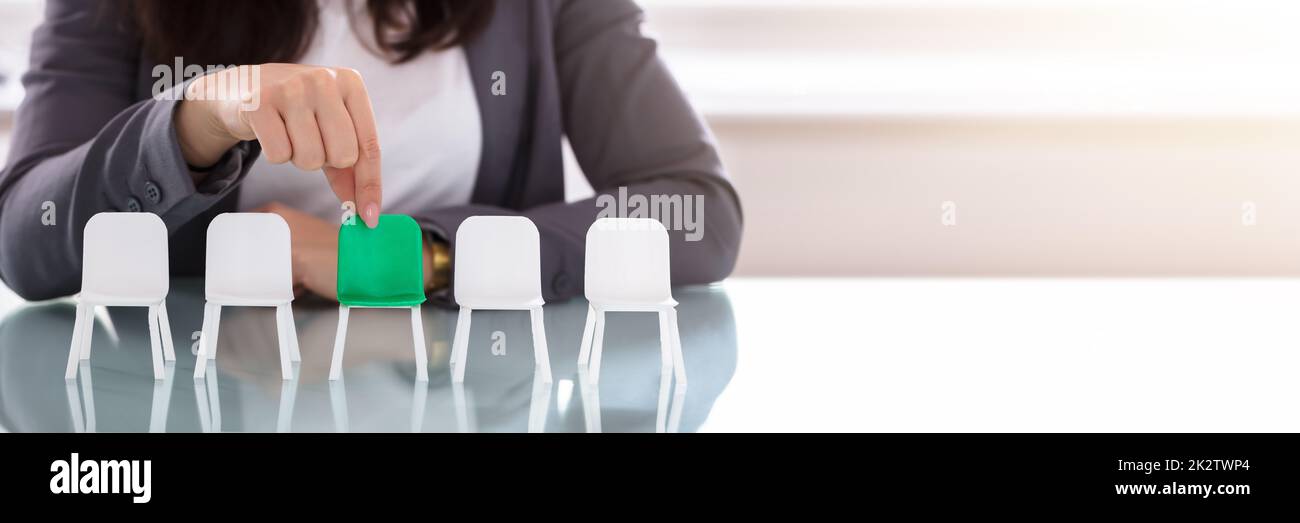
(425, 112)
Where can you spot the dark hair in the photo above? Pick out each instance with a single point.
(242, 32)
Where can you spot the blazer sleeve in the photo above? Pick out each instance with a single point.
(85, 143)
(630, 126)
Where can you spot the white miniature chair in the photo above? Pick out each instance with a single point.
(123, 264)
(498, 267)
(249, 264)
(627, 270)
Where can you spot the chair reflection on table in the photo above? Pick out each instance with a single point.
(509, 389)
(668, 414)
(462, 402)
(207, 401)
(244, 390)
(247, 332)
(81, 403)
(539, 405)
(82, 407)
(419, 399)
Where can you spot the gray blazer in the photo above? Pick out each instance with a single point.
(90, 138)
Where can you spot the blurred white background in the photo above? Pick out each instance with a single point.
(1137, 137)
(1072, 137)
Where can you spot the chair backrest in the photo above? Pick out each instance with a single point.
(498, 257)
(124, 254)
(381, 266)
(627, 261)
(249, 254)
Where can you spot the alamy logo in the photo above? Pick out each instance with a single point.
(949, 213)
(47, 213)
(498, 83)
(238, 82)
(677, 212)
(102, 477)
(498, 343)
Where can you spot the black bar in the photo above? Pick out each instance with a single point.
(328, 471)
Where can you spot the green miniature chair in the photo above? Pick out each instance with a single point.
(381, 268)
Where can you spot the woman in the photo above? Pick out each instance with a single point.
(467, 100)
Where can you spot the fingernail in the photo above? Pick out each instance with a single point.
(371, 216)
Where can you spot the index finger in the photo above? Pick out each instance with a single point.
(366, 173)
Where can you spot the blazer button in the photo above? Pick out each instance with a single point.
(152, 192)
(132, 205)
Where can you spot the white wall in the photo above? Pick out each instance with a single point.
(1106, 197)
(1082, 138)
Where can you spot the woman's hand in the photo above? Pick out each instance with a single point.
(315, 245)
(316, 117)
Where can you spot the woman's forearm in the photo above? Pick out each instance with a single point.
(85, 143)
(130, 164)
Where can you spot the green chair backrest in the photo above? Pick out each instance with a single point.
(381, 267)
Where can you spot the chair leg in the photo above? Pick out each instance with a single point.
(679, 363)
(665, 346)
(205, 342)
(282, 331)
(280, 338)
(74, 348)
(201, 403)
(292, 332)
(666, 343)
(165, 324)
(584, 351)
(597, 346)
(460, 345)
(340, 336)
(216, 329)
(540, 353)
(461, 321)
(155, 343)
(87, 333)
(421, 351)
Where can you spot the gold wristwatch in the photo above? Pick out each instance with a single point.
(437, 266)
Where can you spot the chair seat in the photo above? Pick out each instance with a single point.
(263, 300)
(494, 303)
(631, 306)
(113, 300)
(399, 300)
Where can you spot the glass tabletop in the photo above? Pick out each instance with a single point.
(115, 390)
(820, 355)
